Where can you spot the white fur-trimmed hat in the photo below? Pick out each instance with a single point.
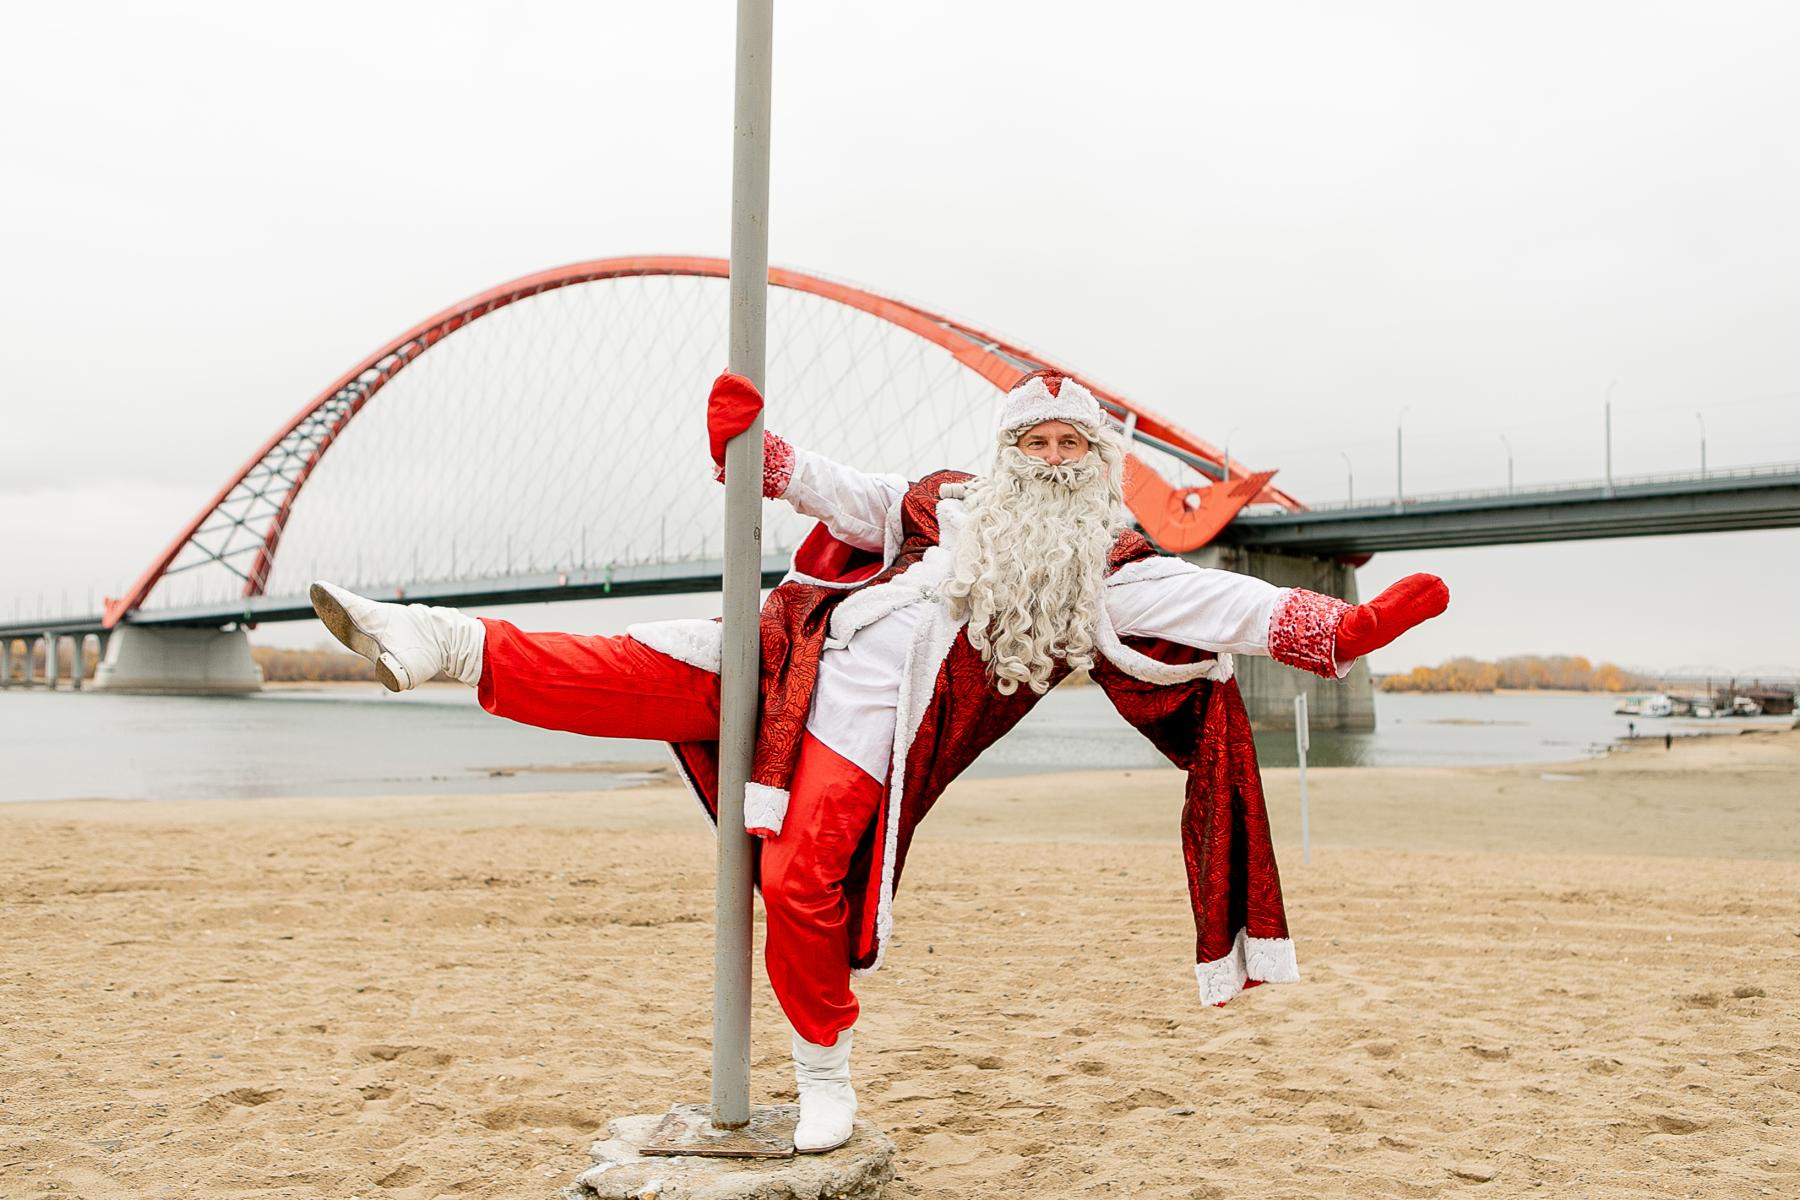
(1049, 396)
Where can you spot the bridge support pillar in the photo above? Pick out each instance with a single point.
(1268, 687)
(140, 658)
(6, 662)
(77, 651)
(50, 649)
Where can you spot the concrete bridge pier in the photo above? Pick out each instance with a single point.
(173, 658)
(77, 652)
(1268, 687)
(6, 662)
(50, 649)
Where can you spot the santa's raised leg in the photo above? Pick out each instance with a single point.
(893, 653)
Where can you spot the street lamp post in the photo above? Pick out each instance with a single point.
(1349, 479)
(1227, 455)
(1399, 461)
(1509, 463)
(1609, 392)
(1702, 421)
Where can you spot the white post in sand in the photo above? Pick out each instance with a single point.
(1303, 740)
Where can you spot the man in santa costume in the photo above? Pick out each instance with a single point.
(920, 622)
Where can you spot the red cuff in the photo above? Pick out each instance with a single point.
(778, 466)
(1303, 631)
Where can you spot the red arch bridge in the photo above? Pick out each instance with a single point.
(543, 440)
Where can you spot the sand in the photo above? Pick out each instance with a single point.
(1573, 980)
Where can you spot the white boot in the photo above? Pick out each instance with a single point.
(827, 1101)
(408, 643)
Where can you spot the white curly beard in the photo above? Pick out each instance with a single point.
(1031, 561)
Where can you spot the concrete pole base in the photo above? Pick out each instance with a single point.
(857, 1170)
(142, 658)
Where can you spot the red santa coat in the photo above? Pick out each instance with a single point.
(1184, 700)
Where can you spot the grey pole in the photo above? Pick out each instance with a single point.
(1609, 392)
(1702, 421)
(1303, 743)
(743, 568)
(1349, 479)
(1399, 467)
(1509, 463)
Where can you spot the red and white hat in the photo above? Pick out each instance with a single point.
(1049, 396)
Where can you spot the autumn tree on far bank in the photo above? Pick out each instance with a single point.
(1559, 672)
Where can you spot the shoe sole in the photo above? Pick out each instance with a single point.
(337, 619)
(824, 1149)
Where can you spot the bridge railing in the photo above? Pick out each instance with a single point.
(1786, 470)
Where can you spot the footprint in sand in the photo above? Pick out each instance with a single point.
(238, 1098)
(401, 1176)
(512, 1116)
(1670, 1123)
(412, 1056)
(1142, 1098)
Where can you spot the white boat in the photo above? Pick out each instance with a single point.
(1744, 706)
(1658, 705)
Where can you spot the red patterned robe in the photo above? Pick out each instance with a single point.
(1183, 700)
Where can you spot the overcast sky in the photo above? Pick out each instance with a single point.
(1282, 223)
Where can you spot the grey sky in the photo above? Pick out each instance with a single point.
(1286, 225)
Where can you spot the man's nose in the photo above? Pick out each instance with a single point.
(1054, 458)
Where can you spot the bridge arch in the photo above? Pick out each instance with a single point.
(244, 522)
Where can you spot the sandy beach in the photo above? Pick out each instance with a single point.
(1579, 979)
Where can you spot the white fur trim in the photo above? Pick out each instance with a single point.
(1271, 960)
(691, 640)
(863, 608)
(933, 637)
(1032, 404)
(1151, 569)
(1139, 665)
(1266, 960)
(765, 807)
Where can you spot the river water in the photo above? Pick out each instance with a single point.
(364, 741)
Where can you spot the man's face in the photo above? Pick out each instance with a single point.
(1054, 442)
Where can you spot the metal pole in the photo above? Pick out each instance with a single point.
(1303, 741)
(1349, 479)
(743, 568)
(1702, 421)
(1609, 392)
(1509, 462)
(1399, 470)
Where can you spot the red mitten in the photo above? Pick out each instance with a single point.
(732, 408)
(1369, 627)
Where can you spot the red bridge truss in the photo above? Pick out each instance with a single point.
(240, 528)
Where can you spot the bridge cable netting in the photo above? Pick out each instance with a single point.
(565, 431)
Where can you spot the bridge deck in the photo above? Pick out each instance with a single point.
(1720, 501)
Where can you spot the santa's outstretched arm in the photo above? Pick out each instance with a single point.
(1230, 613)
(853, 504)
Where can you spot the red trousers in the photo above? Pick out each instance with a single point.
(617, 687)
